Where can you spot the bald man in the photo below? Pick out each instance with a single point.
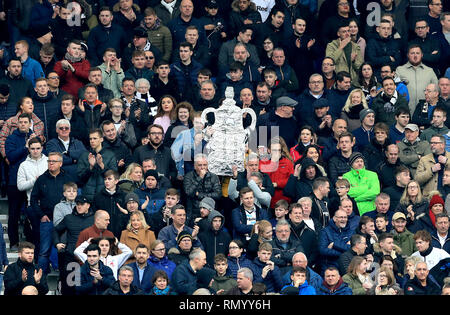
(300, 260)
(98, 229)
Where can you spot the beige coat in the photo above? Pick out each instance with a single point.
(340, 59)
(132, 240)
(416, 79)
(425, 176)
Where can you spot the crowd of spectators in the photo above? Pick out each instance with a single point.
(104, 149)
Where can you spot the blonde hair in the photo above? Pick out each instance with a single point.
(348, 103)
(141, 217)
(262, 225)
(129, 170)
(284, 149)
(404, 200)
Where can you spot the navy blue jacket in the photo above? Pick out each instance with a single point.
(186, 76)
(340, 237)
(101, 38)
(177, 27)
(16, 153)
(239, 220)
(435, 242)
(184, 279)
(71, 156)
(48, 192)
(234, 264)
(7, 110)
(341, 288)
(87, 286)
(273, 280)
(46, 108)
(146, 283)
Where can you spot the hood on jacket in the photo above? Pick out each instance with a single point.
(235, 7)
(307, 162)
(214, 214)
(377, 248)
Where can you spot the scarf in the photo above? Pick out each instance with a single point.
(154, 27)
(157, 291)
(432, 217)
(389, 106)
(72, 59)
(169, 6)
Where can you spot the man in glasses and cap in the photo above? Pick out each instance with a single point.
(140, 42)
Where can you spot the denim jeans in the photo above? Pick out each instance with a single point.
(45, 246)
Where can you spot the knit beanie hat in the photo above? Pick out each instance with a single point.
(365, 112)
(152, 173)
(436, 199)
(353, 157)
(183, 234)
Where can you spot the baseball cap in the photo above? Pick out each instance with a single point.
(320, 103)
(412, 127)
(398, 215)
(212, 4)
(81, 199)
(140, 32)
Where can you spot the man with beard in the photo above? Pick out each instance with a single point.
(18, 85)
(142, 270)
(417, 75)
(157, 151)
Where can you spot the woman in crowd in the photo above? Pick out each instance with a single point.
(137, 232)
(354, 33)
(367, 81)
(132, 178)
(307, 136)
(314, 152)
(355, 103)
(269, 43)
(385, 283)
(183, 121)
(109, 252)
(412, 203)
(237, 259)
(279, 167)
(262, 232)
(158, 258)
(166, 113)
(357, 277)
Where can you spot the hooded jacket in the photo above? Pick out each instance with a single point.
(214, 242)
(364, 188)
(297, 188)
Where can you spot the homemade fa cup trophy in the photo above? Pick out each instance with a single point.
(227, 145)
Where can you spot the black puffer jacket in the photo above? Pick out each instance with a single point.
(374, 152)
(105, 201)
(73, 224)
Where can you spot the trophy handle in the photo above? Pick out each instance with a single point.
(253, 115)
(205, 112)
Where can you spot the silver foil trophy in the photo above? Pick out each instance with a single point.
(227, 144)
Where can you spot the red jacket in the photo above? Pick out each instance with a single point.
(71, 82)
(279, 173)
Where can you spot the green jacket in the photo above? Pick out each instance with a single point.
(223, 283)
(354, 283)
(364, 188)
(112, 80)
(405, 241)
(341, 61)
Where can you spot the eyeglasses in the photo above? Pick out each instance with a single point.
(64, 128)
(149, 57)
(159, 250)
(413, 187)
(53, 161)
(421, 27)
(436, 142)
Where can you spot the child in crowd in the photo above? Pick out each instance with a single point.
(280, 212)
(299, 285)
(222, 282)
(65, 207)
